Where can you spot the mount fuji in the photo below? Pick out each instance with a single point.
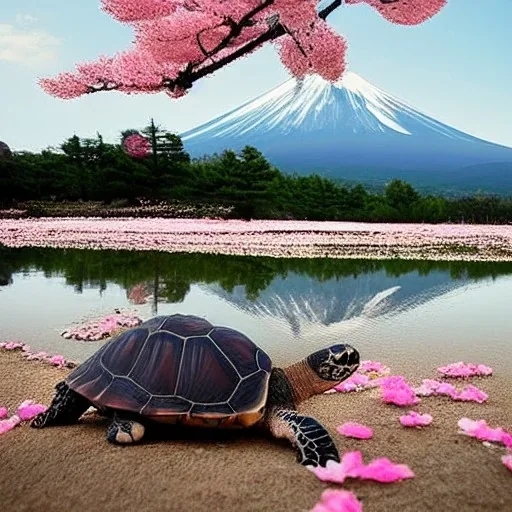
(353, 130)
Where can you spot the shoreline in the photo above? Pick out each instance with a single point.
(279, 239)
(67, 468)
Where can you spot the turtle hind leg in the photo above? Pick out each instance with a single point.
(125, 429)
(315, 446)
(66, 408)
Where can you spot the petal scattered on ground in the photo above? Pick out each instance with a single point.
(9, 424)
(338, 501)
(479, 429)
(355, 430)
(465, 370)
(414, 419)
(395, 390)
(28, 410)
(3, 412)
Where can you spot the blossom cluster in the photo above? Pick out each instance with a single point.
(56, 360)
(25, 412)
(396, 390)
(176, 38)
(102, 328)
(266, 238)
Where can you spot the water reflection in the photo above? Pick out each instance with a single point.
(287, 305)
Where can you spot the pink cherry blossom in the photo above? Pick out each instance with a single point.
(9, 424)
(414, 419)
(417, 12)
(352, 466)
(479, 429)
(3, 413)
(263, 238)
(355, 382)
(507, 460)
(136, 145)
(177, 42)
(461, 369)
(470, 393)
(338, 501)
(395, 390)
(56, 360)
(103, 328)
(28, 410)
(355, 430)
(384, 471)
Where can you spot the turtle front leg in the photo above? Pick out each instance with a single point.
(65, 409)
(315, 446)
(124, 429)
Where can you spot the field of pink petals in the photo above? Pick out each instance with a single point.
(300, 239)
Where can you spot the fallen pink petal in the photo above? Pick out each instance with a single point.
(356, 382)
(395, 390)
(479, 429)
(465, 370)
(471, 394)
(338, 501)
(355, 430)
(373, 367)
(414, 419)
(3, 413)
(507, 460)
(384, 471)
(9, 424)
(28, 410)
(337, 472)
(103, 328)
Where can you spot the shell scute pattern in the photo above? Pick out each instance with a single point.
(178, 365)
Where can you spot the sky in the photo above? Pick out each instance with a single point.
(455, 67)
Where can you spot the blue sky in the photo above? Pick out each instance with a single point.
(456, 68)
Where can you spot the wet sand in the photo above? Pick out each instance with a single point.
(74, 468)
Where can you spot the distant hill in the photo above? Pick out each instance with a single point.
(352, 130)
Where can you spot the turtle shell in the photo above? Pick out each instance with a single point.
(178, 369)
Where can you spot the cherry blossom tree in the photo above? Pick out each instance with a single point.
(178, 42)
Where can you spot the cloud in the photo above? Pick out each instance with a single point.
(25, 19)
(26, 45)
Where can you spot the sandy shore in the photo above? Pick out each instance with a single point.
(267, 238)
(73, 468)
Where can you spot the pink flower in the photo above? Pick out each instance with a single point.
(395, 390)
(3, 413)
(338, 501)
(464, 370)
(480, 430)
(351, 465)
(337, 472)
(28, 410)
(356, 382)
(9, 424)
(384, 471)
(507, 460)
(414, 419)
(471, 394)
(355, 430)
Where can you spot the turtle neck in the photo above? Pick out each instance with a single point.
(305, 382)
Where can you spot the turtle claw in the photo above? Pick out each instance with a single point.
(125, 431)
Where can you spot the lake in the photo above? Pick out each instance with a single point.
(411, 315)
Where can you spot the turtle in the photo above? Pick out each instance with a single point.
(182, 370)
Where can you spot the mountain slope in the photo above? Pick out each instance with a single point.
(313, 125)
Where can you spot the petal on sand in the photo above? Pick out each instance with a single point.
(414, 419)
(464, 370)
(6, 425)
(3, 413)
(395, 390)
(471, 394)
(28, 410)
(338, 501)
(337, 472)
(480, 430)
(355, 430)
(384, 471)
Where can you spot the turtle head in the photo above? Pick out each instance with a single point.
(335, 363)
